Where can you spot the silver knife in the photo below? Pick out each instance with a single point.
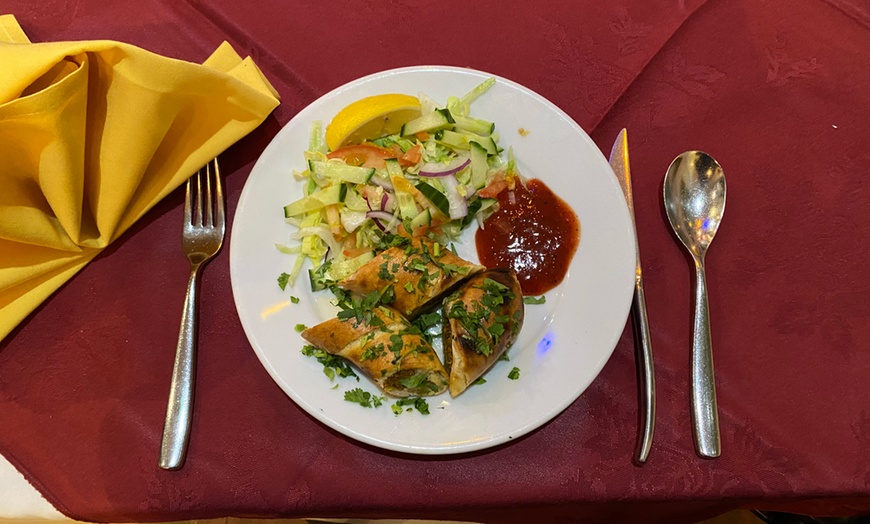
(643, 349)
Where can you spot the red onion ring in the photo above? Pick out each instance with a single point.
(427, 170)
(377, 216)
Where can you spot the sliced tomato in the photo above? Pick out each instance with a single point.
(494, 188)
(409, 158)
(369, 155)
(365, 155)
(412, 156)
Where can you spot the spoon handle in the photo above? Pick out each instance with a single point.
(704, 410)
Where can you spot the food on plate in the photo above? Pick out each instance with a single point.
(534, 232)
(394, 355)
(371, 117)
(481, 321)
(370, 179)
(336, 333)
(393, 183)
(420, 271)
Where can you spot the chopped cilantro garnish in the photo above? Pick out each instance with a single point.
(479, 382)
(363, 398)
(332, 364)
(300, 328)
(294, 300)
(384, 272)
(396, 344)
(417, 403)
(413, 381)
(388, 295)
(514, 374)
(390, 240)
(418, 381)
(427, 325)
(320, 277)
(362, 309)
(482, 321)
(372, 352)
(427, 320)
(409, 287)
(283, 278)
(535, 300)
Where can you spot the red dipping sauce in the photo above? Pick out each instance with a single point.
(535, 233)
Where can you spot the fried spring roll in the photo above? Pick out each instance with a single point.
(334, 334)
(400, 362)
(481, 321)
(420, 272)
(384, 347)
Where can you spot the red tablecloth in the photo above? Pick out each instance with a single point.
(778, 92)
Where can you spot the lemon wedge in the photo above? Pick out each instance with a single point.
(371, 117)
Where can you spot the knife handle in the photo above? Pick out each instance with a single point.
(646, 372)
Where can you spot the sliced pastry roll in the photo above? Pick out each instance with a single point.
(481, 321)
(334, 334)
(387, 349)
(420, 272)
(401, 362)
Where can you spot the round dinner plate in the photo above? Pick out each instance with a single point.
(564, 342)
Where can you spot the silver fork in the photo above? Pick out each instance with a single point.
(203, 235)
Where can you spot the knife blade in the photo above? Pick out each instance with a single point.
(619, 162)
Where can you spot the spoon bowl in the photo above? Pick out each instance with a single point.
(694, 197)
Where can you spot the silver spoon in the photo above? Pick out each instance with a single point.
(694, 195)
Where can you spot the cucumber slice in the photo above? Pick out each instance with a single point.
(474, 125)
(337, 171)
(438, 119)
(333, 194)
(423, 219)
(463, 141)
(479, 167)
(393, 167)
(407, 205)
(436, 197)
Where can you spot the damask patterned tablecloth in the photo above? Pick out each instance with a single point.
(778, 93)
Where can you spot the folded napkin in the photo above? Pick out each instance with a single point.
(92, 135)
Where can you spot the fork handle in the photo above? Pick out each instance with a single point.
(179, 410)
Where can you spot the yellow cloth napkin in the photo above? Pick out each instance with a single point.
(92, 135)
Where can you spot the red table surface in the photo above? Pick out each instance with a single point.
(778, 92)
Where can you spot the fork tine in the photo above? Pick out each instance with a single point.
(198, 209)
(208, 196)
(219, 197)
(188, 204)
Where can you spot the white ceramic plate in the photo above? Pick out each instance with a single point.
(564, 343)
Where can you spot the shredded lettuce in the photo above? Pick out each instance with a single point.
(353, 220)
